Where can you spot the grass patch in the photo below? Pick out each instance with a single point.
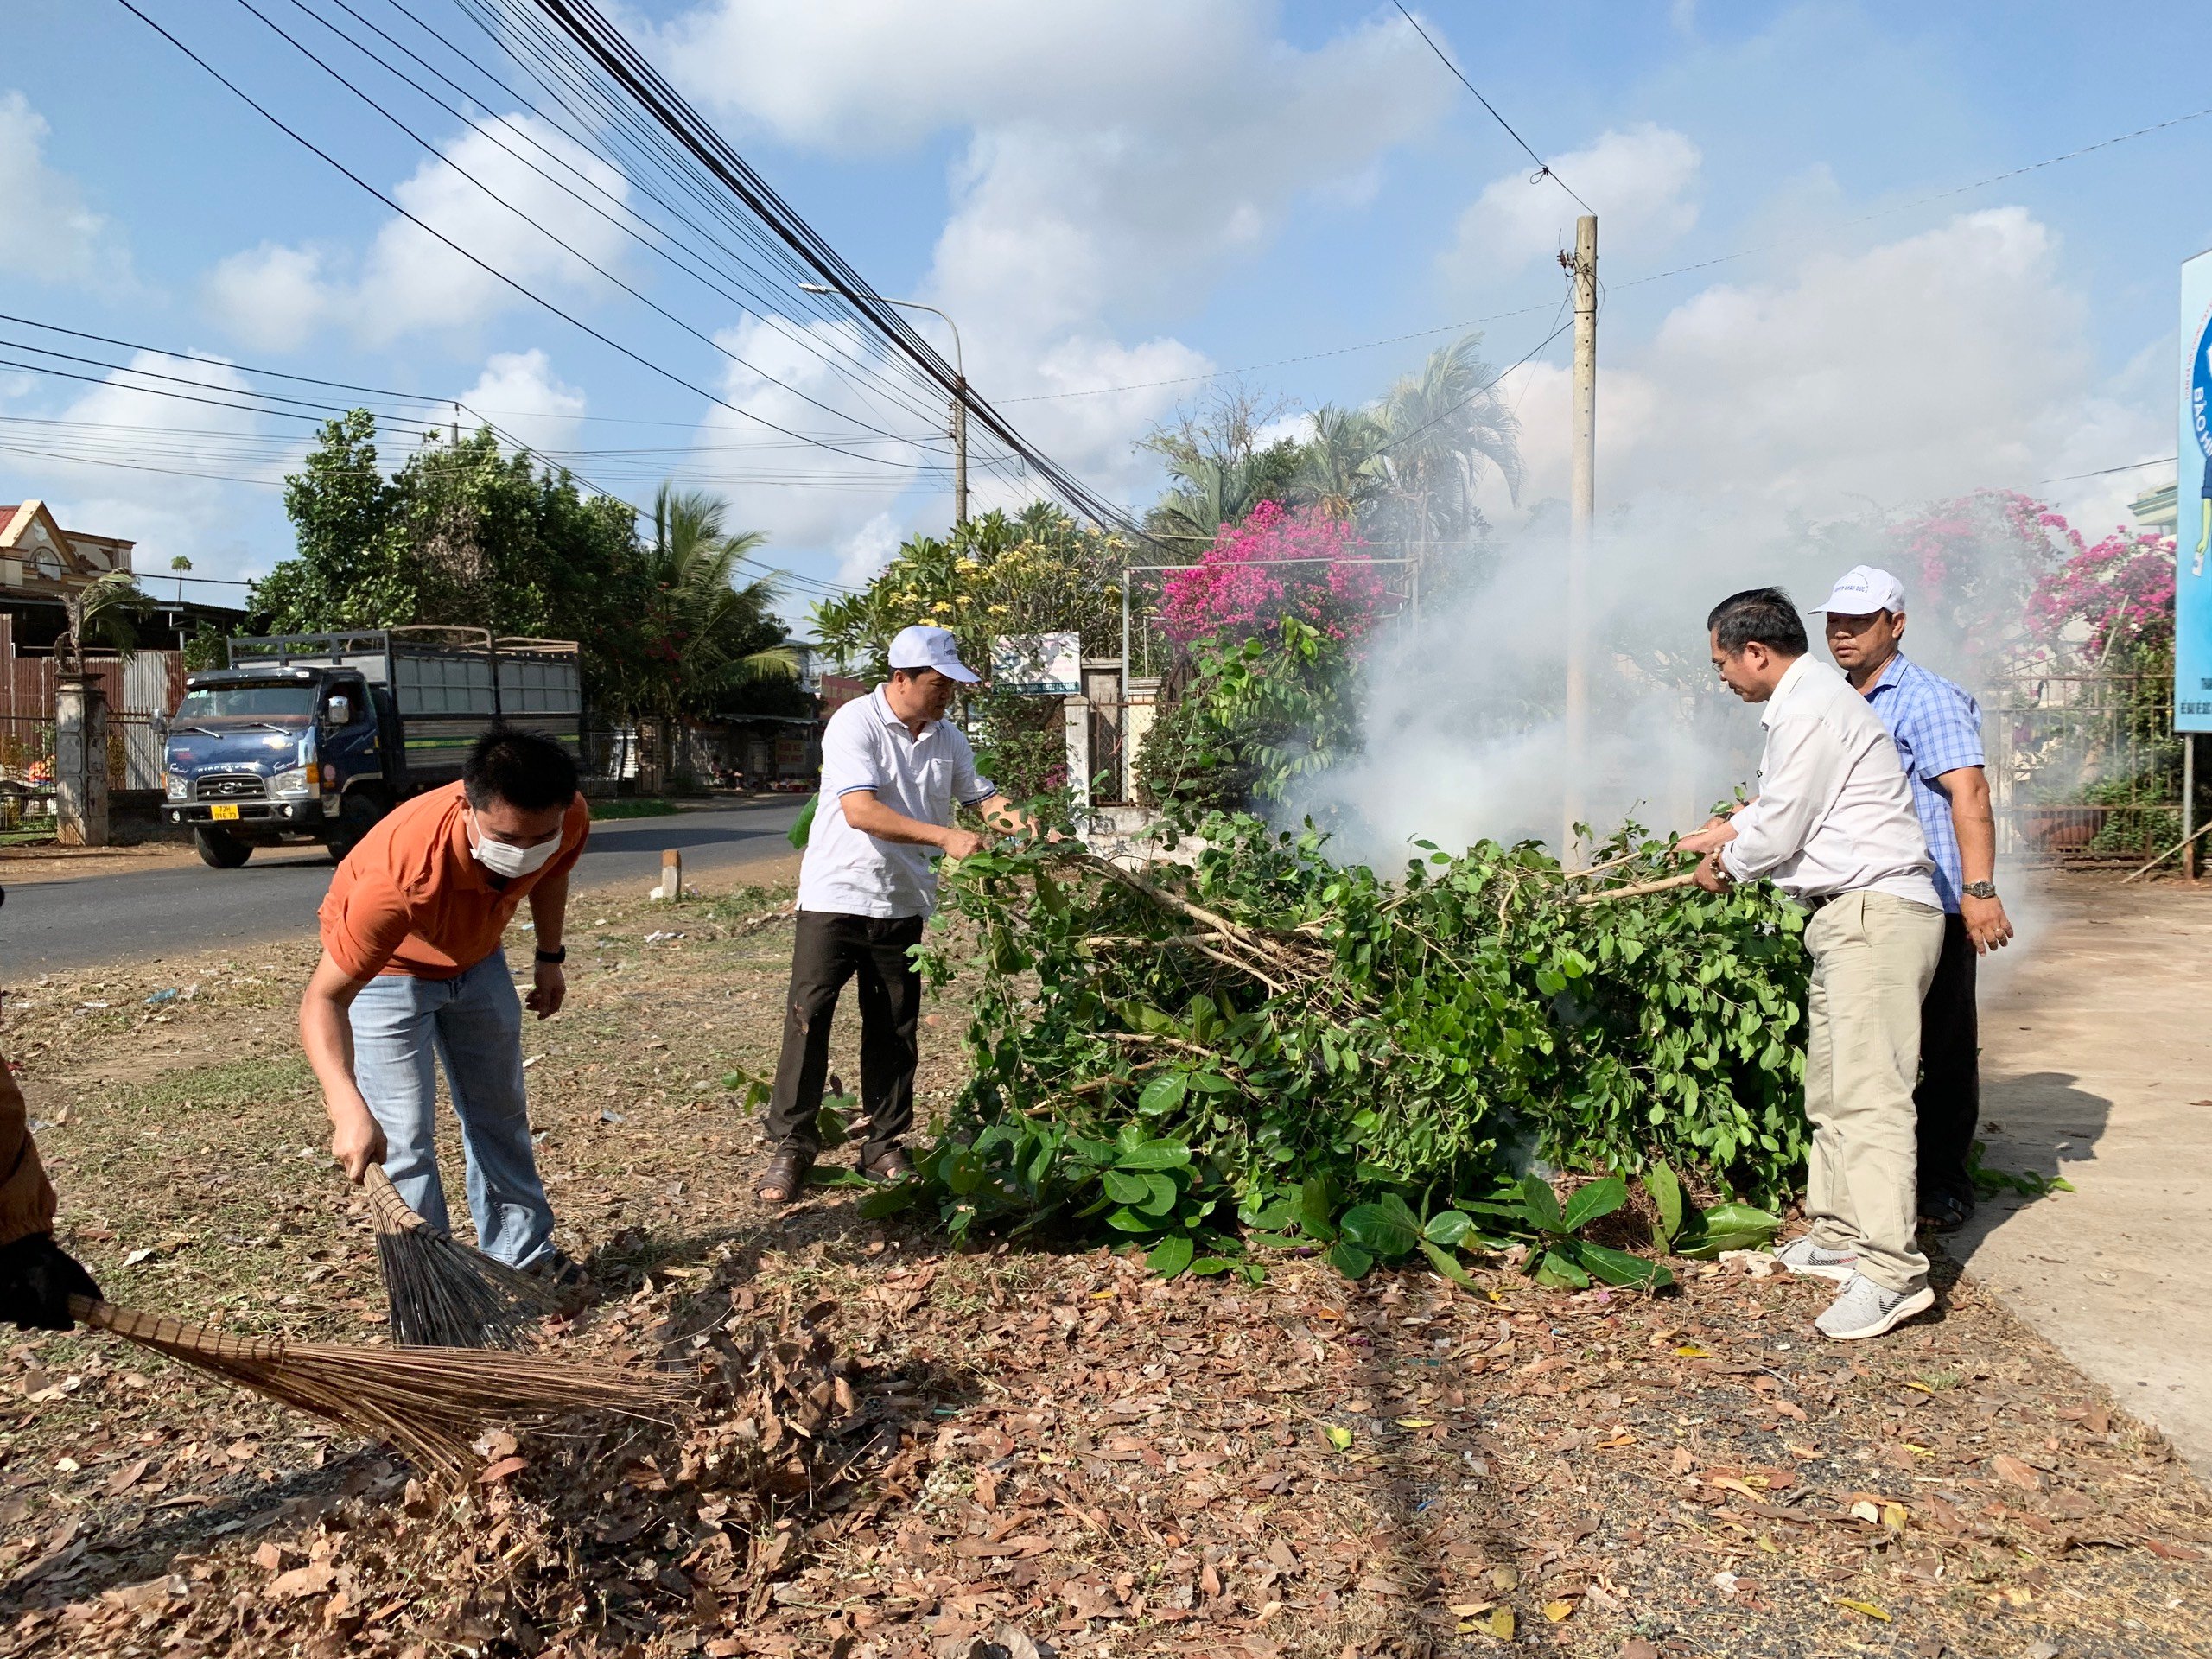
(630, 806)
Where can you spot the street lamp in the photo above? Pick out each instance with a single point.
(959, 397)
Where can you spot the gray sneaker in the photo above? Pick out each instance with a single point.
(1864, 1309)
(1802, 1256)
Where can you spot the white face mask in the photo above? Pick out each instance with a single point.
(508, 861)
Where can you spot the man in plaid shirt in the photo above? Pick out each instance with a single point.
(1938, 729)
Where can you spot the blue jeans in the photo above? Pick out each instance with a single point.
(403, 1028)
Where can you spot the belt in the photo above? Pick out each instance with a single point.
(1823, 901)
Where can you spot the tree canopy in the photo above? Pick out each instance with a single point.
(469, 535)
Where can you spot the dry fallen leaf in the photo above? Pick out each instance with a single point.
(1556, 1610)
(1866, 1607)
(1501, 1624)
(2012, 1469)
(309, 1580)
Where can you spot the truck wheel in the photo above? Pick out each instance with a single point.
(357, 815)
(220, 849)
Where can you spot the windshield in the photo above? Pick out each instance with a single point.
(290, 700)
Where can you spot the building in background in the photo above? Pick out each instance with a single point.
(2155, 509)
(41, 563)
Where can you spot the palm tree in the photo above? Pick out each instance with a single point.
(102, 606)
(1338, 468)
(1220, 468)
(714, 632)
(1439, 426)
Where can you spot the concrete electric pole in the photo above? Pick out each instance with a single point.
(1583, 272)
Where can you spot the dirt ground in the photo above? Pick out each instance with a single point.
(1012, 1450)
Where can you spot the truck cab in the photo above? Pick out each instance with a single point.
(263, 757)
(314, 737)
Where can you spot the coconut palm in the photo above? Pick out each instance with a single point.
(712, 630)
(102, 608)
(1339, 471)
(1220, 467)
(1441, 426)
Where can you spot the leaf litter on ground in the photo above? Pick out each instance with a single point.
(1056, 1447)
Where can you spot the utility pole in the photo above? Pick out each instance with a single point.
(1583, 271)
(959, 447)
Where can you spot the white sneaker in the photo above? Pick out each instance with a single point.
(1802, 1256)
(1864, 1309)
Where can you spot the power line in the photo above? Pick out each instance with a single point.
(1923, 202)
(667, 247)
(1543, 167)
(567, 247)
(1678, 270)
(622, 63)
(490, 270)
(2107, 472)
(1443, 415)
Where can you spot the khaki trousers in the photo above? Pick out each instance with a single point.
(1873, 957)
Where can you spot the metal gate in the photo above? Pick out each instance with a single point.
(2085, 765)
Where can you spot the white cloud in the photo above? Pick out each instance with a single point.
(867, 550)
(277, 297)
(1917, 369)
(802, 495)
(1639, 182)
(1118, 156)
(52, 235)
(407, 282)
(519, 393)
(166, 511)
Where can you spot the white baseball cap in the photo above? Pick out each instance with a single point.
(1862, 590)
(926, 647)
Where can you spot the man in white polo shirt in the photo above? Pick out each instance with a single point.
(892, 770)
(1833, 827)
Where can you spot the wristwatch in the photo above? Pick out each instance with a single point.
(1980, 890)
(555, 957)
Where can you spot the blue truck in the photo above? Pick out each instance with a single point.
(312, 738)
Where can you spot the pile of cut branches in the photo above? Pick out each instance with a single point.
(1266, 1047)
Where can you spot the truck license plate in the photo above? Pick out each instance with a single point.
(223, 814)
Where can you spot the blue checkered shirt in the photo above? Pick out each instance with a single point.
(1937, 728)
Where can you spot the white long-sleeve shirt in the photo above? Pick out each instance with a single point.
(1833, 813)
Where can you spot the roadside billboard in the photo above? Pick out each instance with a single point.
(2193, 493)
(1047, 663)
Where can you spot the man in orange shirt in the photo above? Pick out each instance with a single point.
(412, 974)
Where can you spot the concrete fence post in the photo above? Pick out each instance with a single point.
(80, 760)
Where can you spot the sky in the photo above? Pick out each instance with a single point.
(1123, 207)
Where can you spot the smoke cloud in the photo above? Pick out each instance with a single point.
(1464, 733)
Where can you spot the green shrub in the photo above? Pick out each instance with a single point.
(1306, 1040)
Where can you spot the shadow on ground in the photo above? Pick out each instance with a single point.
(2039, 1123)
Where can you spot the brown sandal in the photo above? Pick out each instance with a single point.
(785, 1177)
(889, 1165)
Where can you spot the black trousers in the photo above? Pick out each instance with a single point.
(830, 949)
(1948, 1100)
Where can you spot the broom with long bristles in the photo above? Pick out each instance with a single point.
(444, 1294)
(429, 1403)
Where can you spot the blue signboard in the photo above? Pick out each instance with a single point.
(2193, 524)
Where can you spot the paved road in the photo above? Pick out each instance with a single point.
(2095, 1062)
(181, 908)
